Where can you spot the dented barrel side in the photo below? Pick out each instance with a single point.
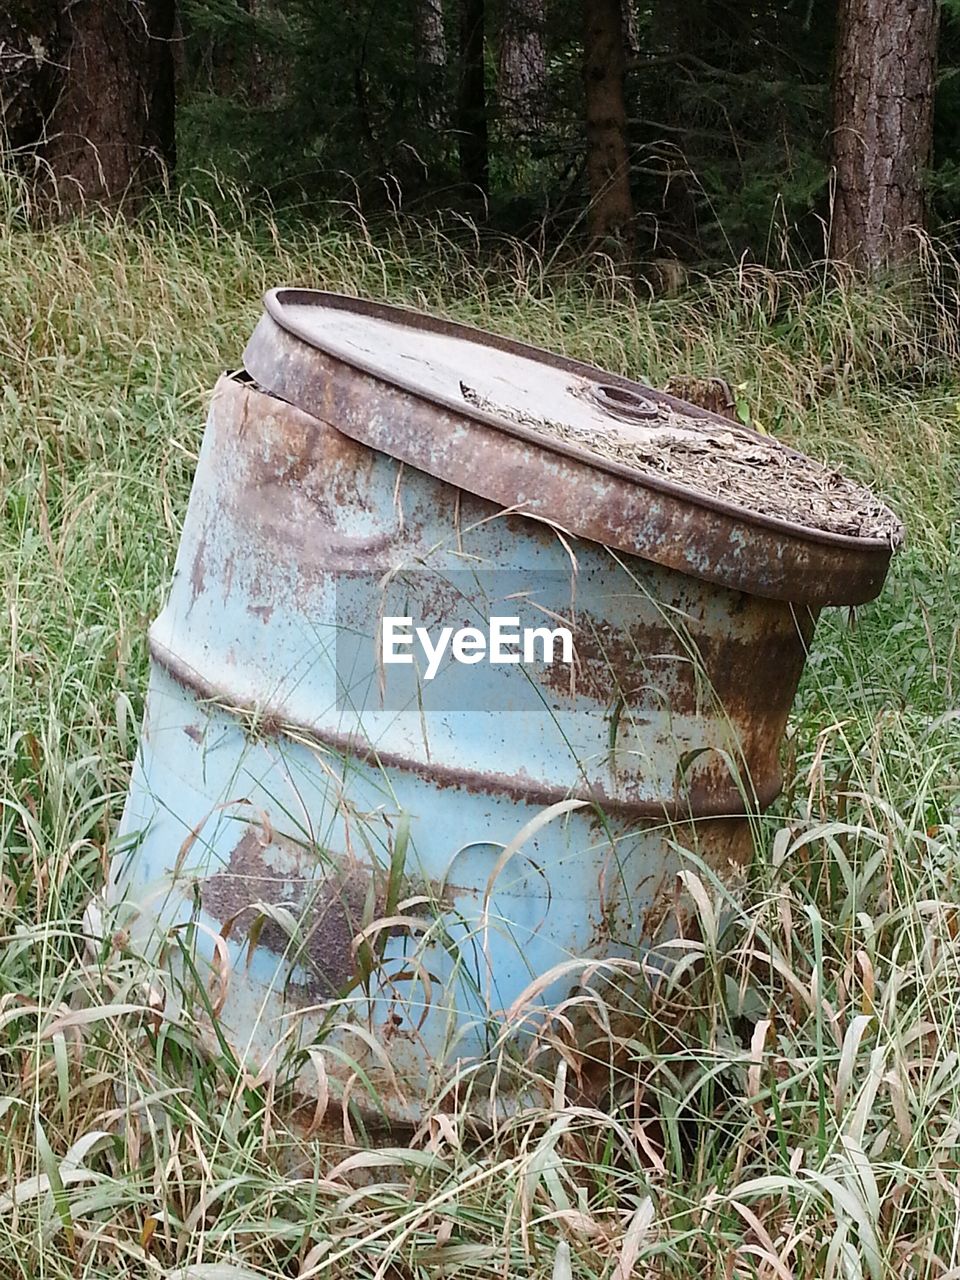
(339, 864)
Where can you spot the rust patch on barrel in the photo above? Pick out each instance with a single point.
(198, 572)
(690, 669)
(330, 897)
(326, 898)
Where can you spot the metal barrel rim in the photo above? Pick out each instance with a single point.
(621, 507)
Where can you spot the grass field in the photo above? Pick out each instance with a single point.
(808, 1107)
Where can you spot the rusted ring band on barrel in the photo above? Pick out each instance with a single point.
(728, 803)
(514, 466)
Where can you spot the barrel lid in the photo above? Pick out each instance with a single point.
(593, 453)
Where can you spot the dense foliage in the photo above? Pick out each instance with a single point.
(728, 109)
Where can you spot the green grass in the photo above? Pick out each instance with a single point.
(803, 1117)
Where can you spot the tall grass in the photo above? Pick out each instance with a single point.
(791, 1110)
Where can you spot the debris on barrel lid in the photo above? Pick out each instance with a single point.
(718, 459)
(598, 455)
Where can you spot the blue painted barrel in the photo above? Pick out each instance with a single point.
(348, 855)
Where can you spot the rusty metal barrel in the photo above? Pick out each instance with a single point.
(384, 865)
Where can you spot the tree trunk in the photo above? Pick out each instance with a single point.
(472, 113)
(882, 127)
(103, 127)
(610, 216)
(431, 60)
(523, 67)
